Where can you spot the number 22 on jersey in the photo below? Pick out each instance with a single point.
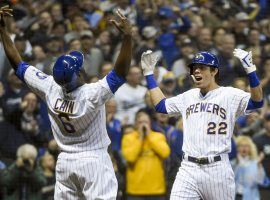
(219, 128)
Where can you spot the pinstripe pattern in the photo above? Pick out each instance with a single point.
(90, 178)
(196, 140)
(84, 169)
(207, 132)
(209, 182)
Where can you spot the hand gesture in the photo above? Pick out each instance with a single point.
(246, 60)
(148, 62)
(123, 25)
(4, 11)
(143, 130)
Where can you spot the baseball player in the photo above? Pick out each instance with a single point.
(209, 112)
(77, 114)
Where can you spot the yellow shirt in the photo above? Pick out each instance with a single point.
(145, 172)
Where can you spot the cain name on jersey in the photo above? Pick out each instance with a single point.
(65, 106)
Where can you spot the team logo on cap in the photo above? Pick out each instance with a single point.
(199, 57)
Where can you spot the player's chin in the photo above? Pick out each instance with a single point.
(199, 84)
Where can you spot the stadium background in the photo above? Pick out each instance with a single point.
(42, 30)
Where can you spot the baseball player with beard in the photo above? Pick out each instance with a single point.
(209, 112)
(77, 114)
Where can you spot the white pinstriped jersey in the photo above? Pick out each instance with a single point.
(77, 118)
(208, 120)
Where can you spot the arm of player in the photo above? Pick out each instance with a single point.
(256, 100)
(148, 62)
(9, 47)
(34, 78)
(117, 76)
(123, 61)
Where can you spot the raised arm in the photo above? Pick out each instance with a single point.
(124, 58)
(148, 62)
(256, 100)
(9, 47)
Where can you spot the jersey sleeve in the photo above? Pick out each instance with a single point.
(175, 105)
(37, 81)
(240, 100)
(98, 93)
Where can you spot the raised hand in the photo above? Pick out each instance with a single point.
(148, 62)
(123, 25)
(4, 11)
(246, 59)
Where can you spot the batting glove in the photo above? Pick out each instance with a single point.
(148, 62)
(246, 60)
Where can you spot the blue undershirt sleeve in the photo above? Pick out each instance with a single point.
(160, 107)
(22, 67)
(252, 105)
(114, 80)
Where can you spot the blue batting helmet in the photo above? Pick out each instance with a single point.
(205, 58)
(67, 68)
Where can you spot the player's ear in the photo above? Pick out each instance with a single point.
(214, 71)
(83, 76)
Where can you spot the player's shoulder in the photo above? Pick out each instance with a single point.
(233, 91)
(191, 92)
(93, 88)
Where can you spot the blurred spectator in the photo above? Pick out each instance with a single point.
(115, 133)
(149, 34)
(266, 77)
(74, 45)
(188, 50)
(168, 84)
(104, 43)
(59, 29)
(93, 57)
(113, 126)
(218, 34)
(10, 136)
(145, 151)
(25, 118)
(249, 172)
(41, 29)
(241, 29)
(168, 23)
(241, 83)
(205, 41)
(91, 12)
(56, 12)
(174, 137)
(106, 68)
(252, 125)
(44, 29)
(149, 107)
(262, 141)
(47, 164)
(24, 178)
(22, 44)
(54, 47)
(53, 149)
(78, 24)
(254, 41)
(39, 57)
(5, 66)
(230, 67)
(130, 97)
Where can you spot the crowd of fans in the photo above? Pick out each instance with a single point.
(146, 146)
